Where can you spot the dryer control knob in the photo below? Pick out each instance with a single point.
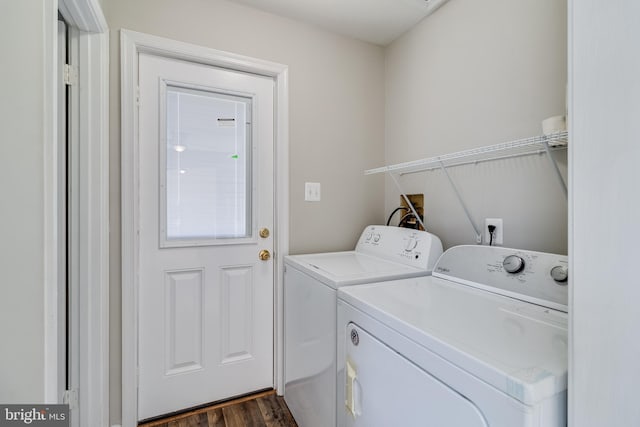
(513, 264)
(376, 238)
(560, 273)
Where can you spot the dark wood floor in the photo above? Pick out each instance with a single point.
(259, 410)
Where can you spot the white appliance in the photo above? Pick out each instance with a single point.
(482, 342)
(310, 286)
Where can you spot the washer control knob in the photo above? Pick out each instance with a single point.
(513, 264)
(411, 244)
(368, 236)
(376, 238)
(560, 273)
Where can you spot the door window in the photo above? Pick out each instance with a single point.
(207, 167)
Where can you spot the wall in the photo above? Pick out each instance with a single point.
(336, 120)
(605, 106)
(22, 205)
(473, 74)
(103, 4)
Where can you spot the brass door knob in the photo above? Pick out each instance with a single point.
(264, 233)
(264, 255)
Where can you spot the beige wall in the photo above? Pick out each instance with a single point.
(103, 4)
(22, 119)
(473, 74)
(336, 119)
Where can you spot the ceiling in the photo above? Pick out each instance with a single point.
(375, 21)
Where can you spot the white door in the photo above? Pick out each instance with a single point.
(206, 198)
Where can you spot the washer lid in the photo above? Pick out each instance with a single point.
(517, 347)
(337, 269)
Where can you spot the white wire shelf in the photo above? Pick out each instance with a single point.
(520, 147)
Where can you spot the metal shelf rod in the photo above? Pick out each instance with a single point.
(537, 142)
(463, 204)
(554, 165)
(474, 162)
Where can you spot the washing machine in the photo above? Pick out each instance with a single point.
(482, 342)
(310, 296)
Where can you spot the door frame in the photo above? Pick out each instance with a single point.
(131, 45)
(89, 131)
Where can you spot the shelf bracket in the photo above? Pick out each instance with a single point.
(464, 206)
(554, 165)
(406, 199)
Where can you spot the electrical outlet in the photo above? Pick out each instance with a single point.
(312, 191)
(498, 234)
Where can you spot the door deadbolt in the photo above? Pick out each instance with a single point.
(264, 233)
(264, 255)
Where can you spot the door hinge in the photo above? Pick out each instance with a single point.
(138, 96)
(69, 75)
(70, 397)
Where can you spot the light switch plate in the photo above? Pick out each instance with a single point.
(312, 191)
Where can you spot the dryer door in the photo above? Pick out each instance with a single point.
(385, 389)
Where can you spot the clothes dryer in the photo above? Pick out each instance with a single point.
(310, 285)
(482, 342)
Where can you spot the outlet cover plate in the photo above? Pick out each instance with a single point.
(498, 234)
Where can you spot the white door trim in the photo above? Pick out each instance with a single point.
(52, 339)
(85, 15)
(90, 139)
(90, 128)
(131, 45)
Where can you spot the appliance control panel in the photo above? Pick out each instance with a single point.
(404, 245)
(537, 277)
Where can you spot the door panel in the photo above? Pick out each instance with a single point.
(237, 311)
(184, 321)
(206, 187)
